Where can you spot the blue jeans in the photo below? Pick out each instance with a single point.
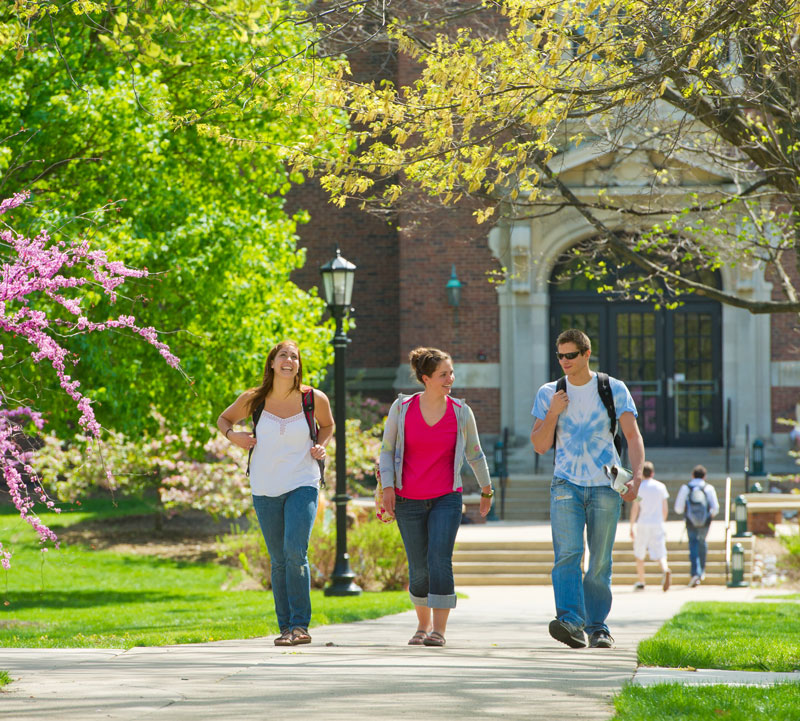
(583, 601)
(428, 528)
(698, 548)
(286, 522)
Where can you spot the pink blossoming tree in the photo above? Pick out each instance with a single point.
(43, 301)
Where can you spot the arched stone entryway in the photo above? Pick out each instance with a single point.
(671, 360)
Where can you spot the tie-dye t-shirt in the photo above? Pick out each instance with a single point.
(584, 442)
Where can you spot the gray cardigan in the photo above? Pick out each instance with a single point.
(468, 445)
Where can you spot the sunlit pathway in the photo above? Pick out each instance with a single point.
(499, 662)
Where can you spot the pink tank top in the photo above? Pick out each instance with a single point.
(429, 453)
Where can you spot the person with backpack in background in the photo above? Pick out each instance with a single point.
(648, 514)
(580, 414)
(292, 424)
(697, 502)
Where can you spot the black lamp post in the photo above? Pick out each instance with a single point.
(337, 284)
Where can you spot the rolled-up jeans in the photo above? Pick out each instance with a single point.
(428, 528)
(583, 601)
(286, 523)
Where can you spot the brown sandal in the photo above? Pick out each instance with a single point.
(285, 639)
(418, 639)
(434, 639)
(300, 635)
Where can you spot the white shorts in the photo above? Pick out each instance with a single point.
(650, 537)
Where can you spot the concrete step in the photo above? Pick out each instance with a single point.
(509, 562)
(669, 461)
(545, 566)
(510, 579)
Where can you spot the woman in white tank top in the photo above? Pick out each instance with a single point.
(284, 479)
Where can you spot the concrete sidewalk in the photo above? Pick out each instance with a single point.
(499, 662)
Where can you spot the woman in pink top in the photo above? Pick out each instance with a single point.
(427, 437)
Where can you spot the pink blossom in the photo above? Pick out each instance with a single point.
(59, 271)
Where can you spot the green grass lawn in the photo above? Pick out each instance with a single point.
(783, 597)
(741, 636)
(675, 702)
(80, 597)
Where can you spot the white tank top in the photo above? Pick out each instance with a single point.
(281, 458)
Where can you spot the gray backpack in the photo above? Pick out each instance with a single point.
(697, 506)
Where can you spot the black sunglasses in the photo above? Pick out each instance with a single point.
(569, 356)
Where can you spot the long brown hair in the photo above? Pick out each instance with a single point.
(260, 394)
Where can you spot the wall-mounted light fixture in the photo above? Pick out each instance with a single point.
(454, 286)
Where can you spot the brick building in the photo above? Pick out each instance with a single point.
(700, 374)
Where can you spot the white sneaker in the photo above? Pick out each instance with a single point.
(694, 582)
(638, 586)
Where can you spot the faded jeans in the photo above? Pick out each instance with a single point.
(583, 601)
(286, 522)
(698, 548)
(428, 528)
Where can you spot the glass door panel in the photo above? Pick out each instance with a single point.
(694, 381)
(639, 364)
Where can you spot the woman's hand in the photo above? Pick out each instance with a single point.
(318, 452)
(389, 500)
(486, 503)
(243, 439)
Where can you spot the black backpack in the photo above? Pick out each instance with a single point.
(607, 397)
(308, 412)
(697, 506)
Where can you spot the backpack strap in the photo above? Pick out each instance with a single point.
(308, 412)
(607, 397)
(257, 411)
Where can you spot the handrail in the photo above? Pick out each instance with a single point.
(727, 528)
(728, 437)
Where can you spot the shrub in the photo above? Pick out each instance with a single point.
(377, 555)
(363, 429)
(791, 542)
(161, 464)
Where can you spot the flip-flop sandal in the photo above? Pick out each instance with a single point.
(418, 639)
(300, 635)
(285, 639)
(434, 639)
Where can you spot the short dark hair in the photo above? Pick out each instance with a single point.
(648, 469)
(578, 337)
(699, 472)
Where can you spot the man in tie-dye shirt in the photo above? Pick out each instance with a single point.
(581, 495)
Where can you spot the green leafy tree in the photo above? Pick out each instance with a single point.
(505, 90)
(100, 108)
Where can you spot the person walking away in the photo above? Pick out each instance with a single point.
(697, 502)
(648, 532)
(285, 471)
(426, 439)
(577, 421)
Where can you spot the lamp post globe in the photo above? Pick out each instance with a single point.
(337, 285)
